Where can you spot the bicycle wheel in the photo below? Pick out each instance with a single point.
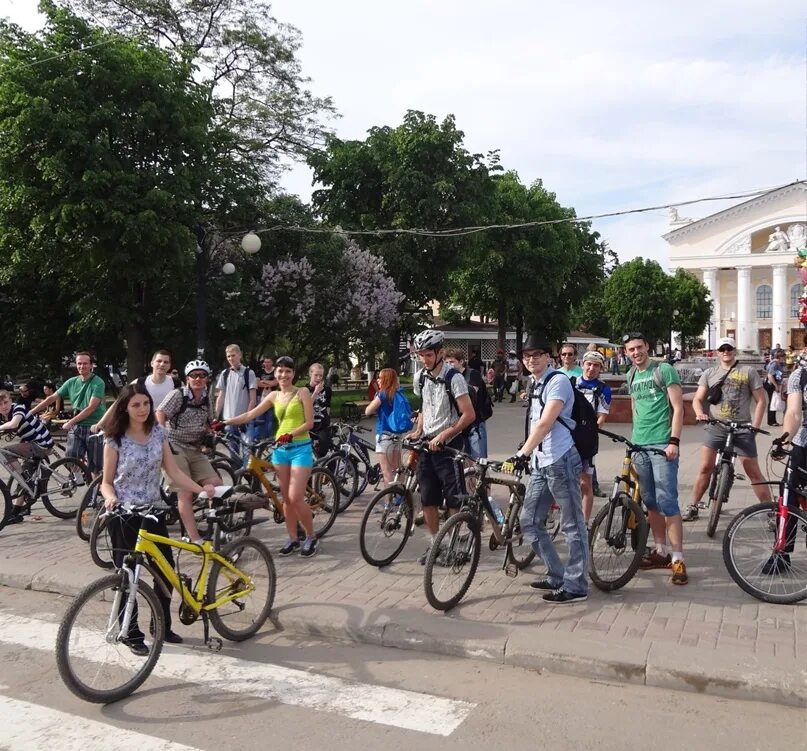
(615, 552)
(101, 544)
(725, 478)
(452, 561)
(239, 619)
(238, 515)
(65, 483)
(748, 554)
(322, 497)
(225, 471)
(93, 661)
(386, 525)
(5, 504)
(347, 477)
(518, 551)
(90, 507)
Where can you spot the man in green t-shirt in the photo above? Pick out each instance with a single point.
(658, 417)
(86, 393)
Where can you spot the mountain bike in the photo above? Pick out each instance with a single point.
(723, 474)
(359, 450)
(454, 554)
(618, 535)
(765, 545)
(234, 592)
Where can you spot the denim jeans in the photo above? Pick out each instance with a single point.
(233, 443)
(658, 481)
(478, 441)
(559, 481)
(264, 426)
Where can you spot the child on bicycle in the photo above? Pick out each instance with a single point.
(35, 440)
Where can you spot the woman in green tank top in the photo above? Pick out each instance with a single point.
(293, 456)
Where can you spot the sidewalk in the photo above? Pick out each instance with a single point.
(708, 636)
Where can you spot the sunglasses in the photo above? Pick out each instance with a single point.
(532, 355)
(633, 335)
(725, 348)
(196, 376)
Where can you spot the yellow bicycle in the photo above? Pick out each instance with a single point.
(234, 592)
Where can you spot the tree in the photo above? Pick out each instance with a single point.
(638, 298)
(690, 299)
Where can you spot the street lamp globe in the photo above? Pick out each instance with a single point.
(251, 243)
(228, 268)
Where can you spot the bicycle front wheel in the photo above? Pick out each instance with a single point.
(322, 497)
(88, 510)
(725, 478)
(5, 504)
(241, 618)
(101, 544)
(748, 552)
(347, 477)
(95, 659)
(452, 561)
(616, 549)
(65, 483)
(386, 525)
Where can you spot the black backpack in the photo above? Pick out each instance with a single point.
(596, 392)
(584, 434)
(446, 381)
(480, 396)
(187, 403)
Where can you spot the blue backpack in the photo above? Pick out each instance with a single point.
(399, 417)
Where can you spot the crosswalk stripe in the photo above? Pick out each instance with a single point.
(400, 708)
(32, 727)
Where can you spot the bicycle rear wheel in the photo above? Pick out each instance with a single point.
(90, 507)
(93, 660)
(239, 619)
(616, 550)
(386, 525)
(725, 478)
(101, 544)
(518, 551)
(748, 554)
(65, 483)
(452, 561)
(322, 497)
(5, 504)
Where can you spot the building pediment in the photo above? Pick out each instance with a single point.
(782, 238)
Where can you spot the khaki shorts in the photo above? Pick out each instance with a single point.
(193, 463)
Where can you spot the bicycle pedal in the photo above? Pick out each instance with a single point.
(214, 644)
(740, 477)
(511, 570)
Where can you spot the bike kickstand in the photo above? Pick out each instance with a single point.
(213, 643)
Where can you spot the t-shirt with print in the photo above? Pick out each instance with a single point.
(437, 411)
(652, 413)
(321, 403)
(31, 429)
(559, 439)
(794, 387)
(740, 383)
(79, 393)
(190, 427)
(777, 370)
(267, 375)
(137, 475)
(601, 404)
(236, 397)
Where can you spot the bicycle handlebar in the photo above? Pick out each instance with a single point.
(734, 425)
(632, 446)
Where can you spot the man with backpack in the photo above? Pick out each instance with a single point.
(658, 417)
(446, 412)
(550, 451)
(476, 437)
(237, 388)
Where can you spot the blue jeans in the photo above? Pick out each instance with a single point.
(264, 426)
(478, 441)
(658, 481)
(233, 443)
(560, 481)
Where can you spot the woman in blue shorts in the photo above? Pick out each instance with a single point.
(293, 457)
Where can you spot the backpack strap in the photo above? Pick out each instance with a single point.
(803, 379)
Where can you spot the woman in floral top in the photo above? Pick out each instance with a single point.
(134, 452)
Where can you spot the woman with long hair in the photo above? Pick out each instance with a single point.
(135, 450)
(293, 457)
(394, 421)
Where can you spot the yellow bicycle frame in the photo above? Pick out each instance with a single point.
(147, 545)
(258, 467)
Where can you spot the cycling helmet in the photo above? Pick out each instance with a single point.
(197, 365)
(428, 339)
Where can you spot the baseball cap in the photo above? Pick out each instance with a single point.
(726, 341)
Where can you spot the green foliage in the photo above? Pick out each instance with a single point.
(694, 311)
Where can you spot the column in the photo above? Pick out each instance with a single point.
(781, 302)
(712, 332)
(744, 308)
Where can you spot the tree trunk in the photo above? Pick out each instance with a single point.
(502, 330)
(135, 351)
(519, 332)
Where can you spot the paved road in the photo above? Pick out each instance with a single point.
(708, 636)
(317, 693)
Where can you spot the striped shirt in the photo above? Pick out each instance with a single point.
(31, 428)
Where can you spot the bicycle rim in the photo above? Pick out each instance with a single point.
(241, 618)
(66, 482)
(721, 496)
(748, 554)
(93, 661)
(89, 509)
(615, 551)
(385, 526)
(452, 561)
(322, 497)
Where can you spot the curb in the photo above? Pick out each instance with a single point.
(665, 666)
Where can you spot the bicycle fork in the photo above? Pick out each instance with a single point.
(115, 621)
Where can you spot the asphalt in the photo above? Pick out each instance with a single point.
(707, 637)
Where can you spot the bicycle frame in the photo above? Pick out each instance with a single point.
(5, 459)
(258, 467)
(783, 513)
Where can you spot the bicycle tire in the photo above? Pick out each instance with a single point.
(346, 472)
(101, 544)
(447, 555)
(235, 552)
(725, 478)
(89, 599)
(239, 516)
(387, 515)
(515, 553)
(761, 543)
(322, 497)
(362, 476)
(225, 471)
(91, 504)
(6, 504)
(65, 481)
(626, 544)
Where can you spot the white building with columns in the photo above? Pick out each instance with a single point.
(744, 255)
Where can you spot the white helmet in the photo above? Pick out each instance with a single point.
(197, 365)
(428, 339)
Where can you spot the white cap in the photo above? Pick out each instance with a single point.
(726, 340)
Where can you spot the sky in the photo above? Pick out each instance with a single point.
(613, 106)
